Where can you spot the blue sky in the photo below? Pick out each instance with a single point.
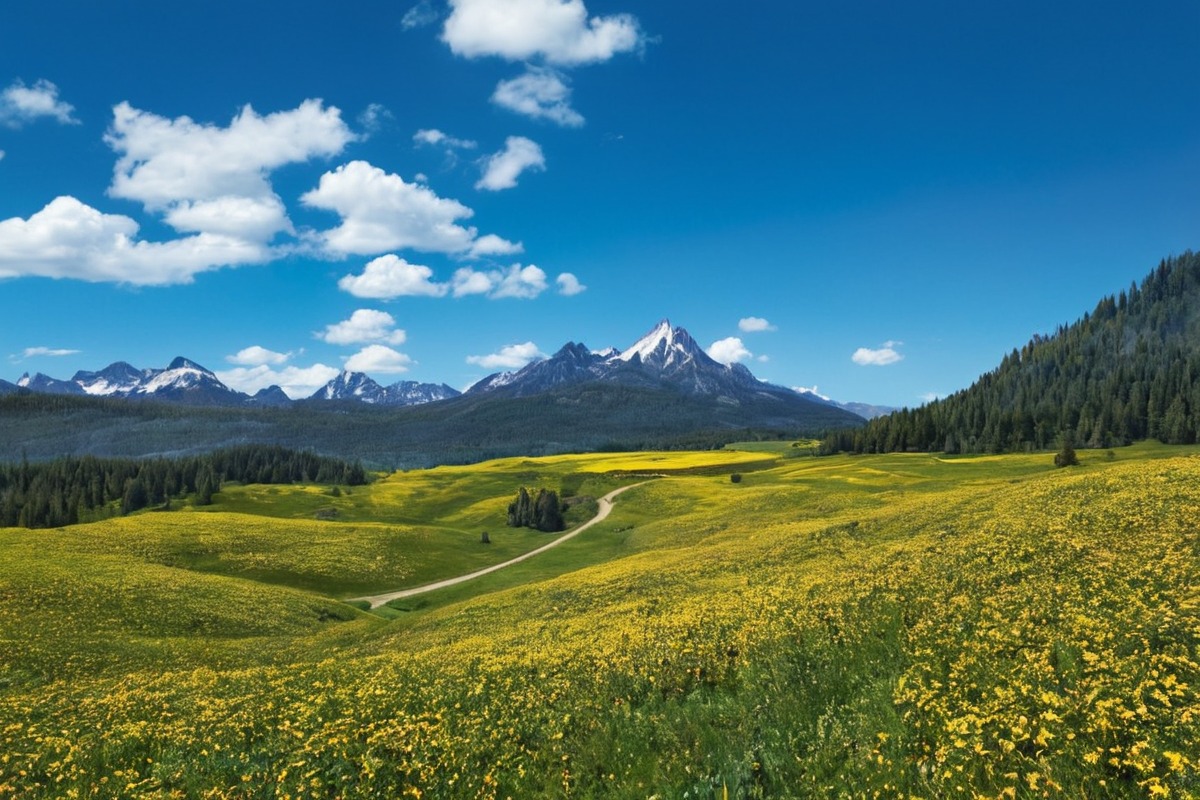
(876, 199)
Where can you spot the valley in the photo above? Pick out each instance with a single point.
(905, 624)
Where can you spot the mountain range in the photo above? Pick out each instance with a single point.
(665, 357)
(662, 392)
(187, 383)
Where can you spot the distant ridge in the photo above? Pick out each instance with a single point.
(1127, 371)
(361, 387)
(662, 392)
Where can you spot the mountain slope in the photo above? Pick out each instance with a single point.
(1127, 371)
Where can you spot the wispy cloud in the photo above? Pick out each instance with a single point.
(50, 352)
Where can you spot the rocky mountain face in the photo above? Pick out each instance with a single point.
(359, 386)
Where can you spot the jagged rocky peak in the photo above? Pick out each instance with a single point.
(664, 346)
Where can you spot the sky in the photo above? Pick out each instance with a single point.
(873, 200)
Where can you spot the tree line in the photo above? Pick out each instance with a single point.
(1129, 370)
(70, 490)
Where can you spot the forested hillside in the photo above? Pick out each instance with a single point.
(70, 490)
(1129, 370)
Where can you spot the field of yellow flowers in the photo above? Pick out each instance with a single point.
(891, 626)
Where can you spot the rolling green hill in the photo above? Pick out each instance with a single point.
(892, 625)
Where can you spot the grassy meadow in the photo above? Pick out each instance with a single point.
(904, 625)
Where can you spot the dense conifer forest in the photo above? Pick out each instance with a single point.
(1129, 370)
(70, 490)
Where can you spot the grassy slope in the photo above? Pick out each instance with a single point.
(866, 626)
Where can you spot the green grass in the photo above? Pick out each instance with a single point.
(899, 625)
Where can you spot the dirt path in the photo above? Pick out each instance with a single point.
(605, 503)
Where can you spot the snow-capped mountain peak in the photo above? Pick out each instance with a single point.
(660, 338)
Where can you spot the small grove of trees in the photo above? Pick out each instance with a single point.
(70, 490)
(542, 513)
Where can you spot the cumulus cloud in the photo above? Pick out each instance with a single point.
(502, 169)
(364, 325)
(204, 174)
(381, 212)
(390, 276)
(865, 356)
(51, 352)
(296, 382)
(516, 281)
(540, 93)
(432, 137)
(754, 325)
(255, 219)
(256, 356)
(569, 285)
(69, 239)
(728, 351)
(511, 356)
(21, 104)
(558, 31)
(379, 359)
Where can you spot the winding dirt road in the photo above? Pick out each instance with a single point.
(606, 506)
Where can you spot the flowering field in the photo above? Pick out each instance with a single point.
(893, 626)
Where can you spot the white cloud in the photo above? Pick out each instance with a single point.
(754, 325)
(541, 94)
(558, 31)
(569, 285)
(390, 276)
(364, 325)
(256, 356)
(373, 118)
(178, 166)
(1, 155)
(381, 212)
(51, 352)
(296, 382)
(502, 169)
(865, 356)
(728, 351)
(929, 397)
(20, 104)
(379, 359)
(255, 219)
(419, 16)
(68, 239)
(434, 138)
(809, 390)
(516, 281)
(492, 245)
(511, 356)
